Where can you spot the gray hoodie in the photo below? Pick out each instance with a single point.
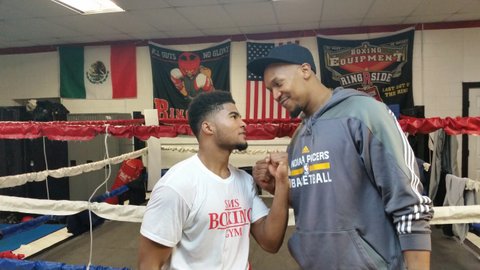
(355, 188)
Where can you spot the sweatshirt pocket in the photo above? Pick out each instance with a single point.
(333, 250)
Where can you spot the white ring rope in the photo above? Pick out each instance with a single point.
(132, 213)
(20, 179)
(129, 213)
(93, 194)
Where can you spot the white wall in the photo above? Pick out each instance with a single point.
(28, 75)
(442, 60)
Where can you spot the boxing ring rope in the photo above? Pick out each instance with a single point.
(256, 129)
(129, 213)
(259, 129)
(24, 226)
(85, 130)
(20, 179)
(133, 213)
(43, 176)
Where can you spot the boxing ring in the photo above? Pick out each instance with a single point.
(49, 210)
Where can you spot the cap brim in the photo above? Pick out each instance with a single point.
(258, 66)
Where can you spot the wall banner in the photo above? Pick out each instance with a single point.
(178, 76)
(380, 67)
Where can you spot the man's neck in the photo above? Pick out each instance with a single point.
(319, 99)
(216, 160)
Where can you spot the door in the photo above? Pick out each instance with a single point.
(474, 141)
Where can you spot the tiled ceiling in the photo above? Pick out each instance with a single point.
(26, 23)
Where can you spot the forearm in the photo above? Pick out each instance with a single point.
(275, 224)
(417, 259)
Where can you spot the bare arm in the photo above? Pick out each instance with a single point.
(417, 259)
(151, 255)
(270, 230)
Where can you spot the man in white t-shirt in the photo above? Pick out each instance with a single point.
(202, 211)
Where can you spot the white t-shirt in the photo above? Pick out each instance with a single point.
(205, 218)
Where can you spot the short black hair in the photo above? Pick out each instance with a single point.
(204, 104)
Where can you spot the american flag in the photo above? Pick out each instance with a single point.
(260, 102)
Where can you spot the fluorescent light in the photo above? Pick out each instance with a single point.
(86, 7)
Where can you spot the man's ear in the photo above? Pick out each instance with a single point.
(306, 70)
(207, 127)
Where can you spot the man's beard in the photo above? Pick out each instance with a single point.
(296, 112)
(241, 146)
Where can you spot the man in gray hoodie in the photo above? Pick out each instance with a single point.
(355, 189)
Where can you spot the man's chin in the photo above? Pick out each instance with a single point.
(295, 112)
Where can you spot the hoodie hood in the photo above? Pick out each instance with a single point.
(339, 94)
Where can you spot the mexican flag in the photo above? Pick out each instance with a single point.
(98, 72)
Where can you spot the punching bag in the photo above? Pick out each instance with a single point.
(129, 171)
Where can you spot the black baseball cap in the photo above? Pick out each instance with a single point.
(290, 53)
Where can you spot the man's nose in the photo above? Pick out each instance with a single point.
(243, 124)
(276, 94)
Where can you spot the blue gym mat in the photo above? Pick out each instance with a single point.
(14, 241)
